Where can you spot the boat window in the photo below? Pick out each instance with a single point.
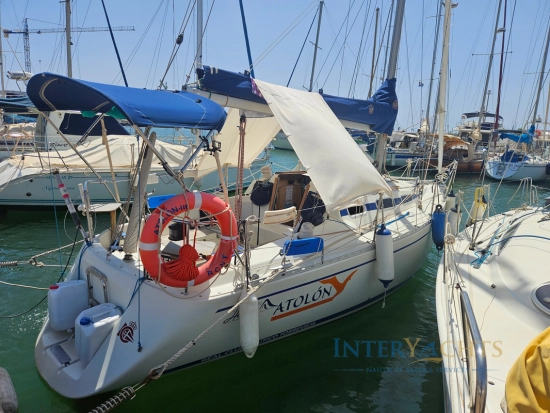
(386, 202)
(354, 210)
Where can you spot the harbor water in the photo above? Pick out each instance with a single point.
(380, 359)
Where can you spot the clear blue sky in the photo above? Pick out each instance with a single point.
(146, 50)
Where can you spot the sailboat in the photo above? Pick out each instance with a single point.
(493, 310)
(516, 163)
(315, 246)
(107, 165)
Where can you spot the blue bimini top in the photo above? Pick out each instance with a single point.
(141, 107)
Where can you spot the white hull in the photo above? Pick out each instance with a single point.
(281, 142)
(35, 187)
(316, 289)
(397, 158)
(515, 171)
(500, 292)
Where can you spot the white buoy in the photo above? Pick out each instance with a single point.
(453, 220)
(8, 398)
(450, 201)
(384, 255)
(250, 328)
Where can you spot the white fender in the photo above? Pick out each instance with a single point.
(384, 255)
(453, 220)
(250, 327)
(8, 398)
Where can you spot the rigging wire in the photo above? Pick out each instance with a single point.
(285, 33)
(341, 49)
(128, 61)
(510, 31)
(469, 62)
(359, 54)
(58, 280)
(299, 54)
(179, 39)
(156, 53)
(202, 37)
(528, 63)
(344, 46)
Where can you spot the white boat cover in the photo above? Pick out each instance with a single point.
(124, 153)
(259, 133)
(339, 169)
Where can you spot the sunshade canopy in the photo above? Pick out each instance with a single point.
(141, 107)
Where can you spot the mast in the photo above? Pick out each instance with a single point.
(443, 82)
(503, 31)
(483, 106)
(3, 93)
(436, 42)
(392, 68)
(387, 42)
(68, 37)
(321, 3)
(373, 52)
(541, 77)
(198, 57)
(251, 67)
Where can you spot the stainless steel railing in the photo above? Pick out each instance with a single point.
(477, 373)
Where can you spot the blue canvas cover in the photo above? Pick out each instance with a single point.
(523, 138)
(76, 124)
(12, 118)
(16, 104)
(379, 112)
(141, 107)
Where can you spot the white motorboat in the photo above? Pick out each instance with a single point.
(308, 254)
(492, 300)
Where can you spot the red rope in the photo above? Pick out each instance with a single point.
(184, 268)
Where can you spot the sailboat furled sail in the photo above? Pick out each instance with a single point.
(378, 113)
(337, 166)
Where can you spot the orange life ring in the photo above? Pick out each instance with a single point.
(538, 132)
(163, 214)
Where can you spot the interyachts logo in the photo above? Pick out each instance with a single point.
(410, 350)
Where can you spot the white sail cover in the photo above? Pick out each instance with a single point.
(259, 133)
(339, 169)
(124, 154)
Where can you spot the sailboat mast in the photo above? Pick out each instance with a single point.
(321, 3)
(250, 66)
(387, 42)
(483, 106)
(392, 68)
(443, 83)
(373, 53)
(436, 41)
(396, 39)
(68, 37)
(503, 30)
(541, 76)
(3, 93)
(198, 56)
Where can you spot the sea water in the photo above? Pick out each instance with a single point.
(375, 360)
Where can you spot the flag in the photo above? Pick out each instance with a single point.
(255, 89)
